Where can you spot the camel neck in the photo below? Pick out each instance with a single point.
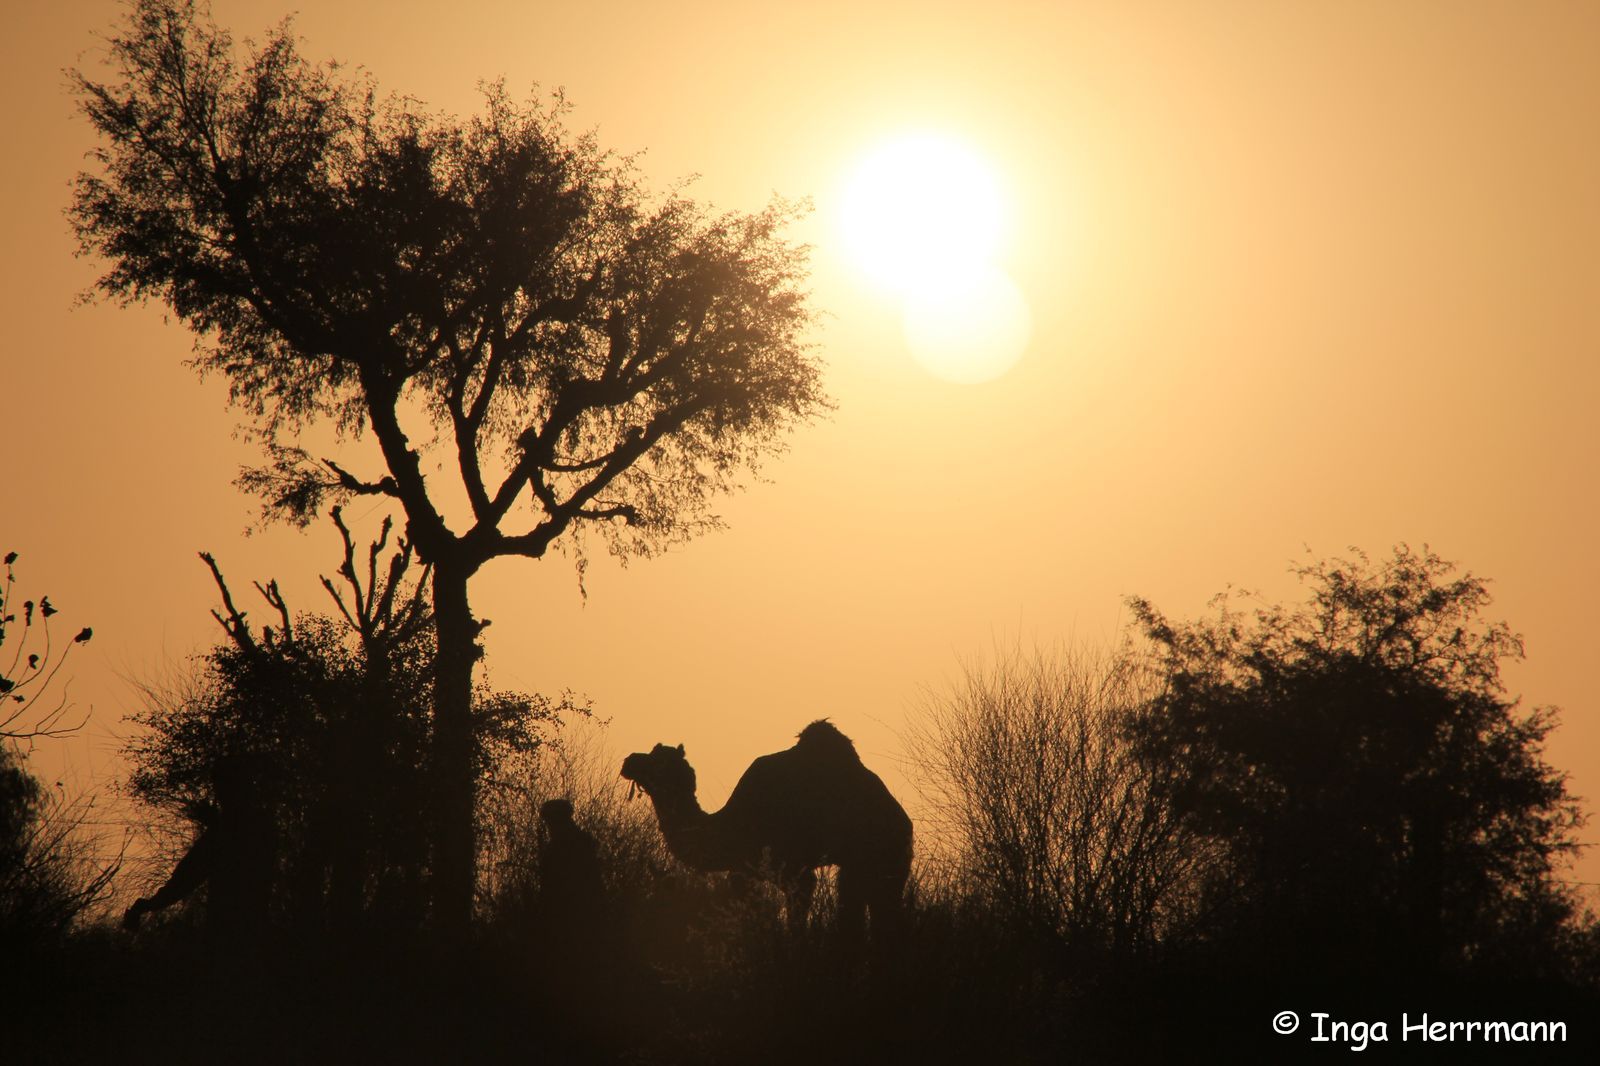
(684, 826)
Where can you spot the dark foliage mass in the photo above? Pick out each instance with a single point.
(1383, 804)
(332, 716)
(50, 876)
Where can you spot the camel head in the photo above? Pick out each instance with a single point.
(662, 772)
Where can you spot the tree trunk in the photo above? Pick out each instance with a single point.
(454, 748)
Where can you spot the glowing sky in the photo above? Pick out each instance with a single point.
(1297, 276)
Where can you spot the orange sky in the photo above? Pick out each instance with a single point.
(1301, 276)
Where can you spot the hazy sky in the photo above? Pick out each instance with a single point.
(1301, 276)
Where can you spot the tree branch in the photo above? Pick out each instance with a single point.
(635, 444)
(384, 486)
(274, 597)
(625, 511)
(234, 625)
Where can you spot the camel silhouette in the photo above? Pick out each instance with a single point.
(812, 805)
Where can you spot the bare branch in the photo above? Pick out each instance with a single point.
(33, 670)
(274, 598)
(234, 624)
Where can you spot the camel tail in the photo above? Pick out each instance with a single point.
(822, 739)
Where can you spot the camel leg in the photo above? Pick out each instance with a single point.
(887, 902)
(797, 891)
(852, 904)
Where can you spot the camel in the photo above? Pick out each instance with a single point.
(792, 811)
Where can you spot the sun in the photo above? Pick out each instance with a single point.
(923, 217)
(919, 209)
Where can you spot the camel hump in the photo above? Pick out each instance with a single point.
(821, 738)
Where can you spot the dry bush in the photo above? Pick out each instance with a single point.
(577, 765)
(1046, 817)
(54, 865)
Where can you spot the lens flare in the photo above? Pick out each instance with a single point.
(968, 329)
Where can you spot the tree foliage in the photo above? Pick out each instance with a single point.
(1380, 796)
(587, 356)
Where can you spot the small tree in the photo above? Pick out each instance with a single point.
(48, 876)
(494, 288)
(1058, 827)
(334, 715)
(1381, 799)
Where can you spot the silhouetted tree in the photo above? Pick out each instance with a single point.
(1058, 828)
(334, 714)
(48, 876)
(587, 359)
(1382, 800)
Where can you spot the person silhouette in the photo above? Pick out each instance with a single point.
(579, 947)
(570, 886)
(233, 856)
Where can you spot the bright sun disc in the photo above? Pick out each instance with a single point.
(971, 330)
(920, 210)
